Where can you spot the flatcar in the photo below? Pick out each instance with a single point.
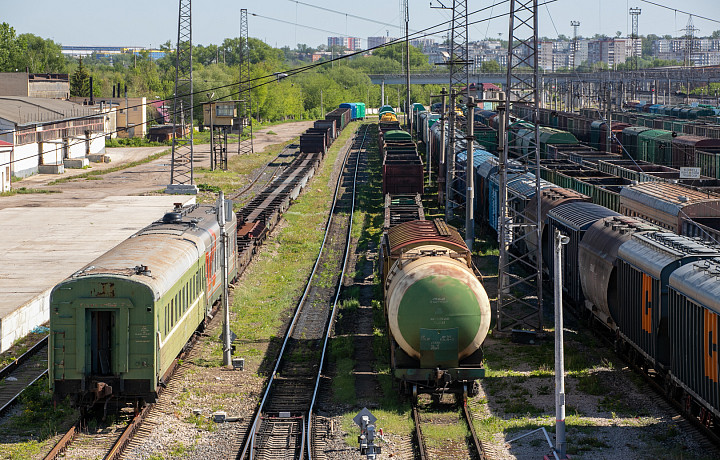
(117, 324)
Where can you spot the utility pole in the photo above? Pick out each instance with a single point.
(443, 149)
(181, 165)
(409, 111)
(635, 13)
(689, 41)
(519, 294)
(470, 176)
(559, 241)
(575, 25)
(225, 292)
(245, 104)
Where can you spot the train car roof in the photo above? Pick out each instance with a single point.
(409, 234)
(580, 215)
(159, 254)
(700, 282)
(652, 252)
(667, 197)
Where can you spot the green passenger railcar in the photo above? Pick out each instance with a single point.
(117, 324)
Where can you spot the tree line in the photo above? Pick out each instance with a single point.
(216, 74)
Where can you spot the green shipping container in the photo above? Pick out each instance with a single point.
(360, 109)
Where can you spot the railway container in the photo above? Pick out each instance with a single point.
(386, 109)
(353, 109)
(572, 219)
(546, 136)
(117, 324)
(684, 148)
(437, 310)
(341, 116)
(550, 198)
(402, 173)
(630, 139)
(313, 143)
(646, 262)
(327, 124)
(694, 325)
(655, 146)
(597, 263)
(361, 110)
(598, 135)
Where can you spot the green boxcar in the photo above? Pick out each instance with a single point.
(630, 139)
(709, 163)
(655, 146)
(117, 324)
(547, 136)
(486, 137)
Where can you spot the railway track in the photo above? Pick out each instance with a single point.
(282, 425)
(289, 174)
(268, 172)
(21, 373)
(473, 446)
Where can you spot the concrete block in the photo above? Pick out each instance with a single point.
(181, 189)
(51, 169)
(98, 158)
(75, 163)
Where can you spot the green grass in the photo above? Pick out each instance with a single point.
(274, 282)
(93, 175)
(27, 191)
(133, 142)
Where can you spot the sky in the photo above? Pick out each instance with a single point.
(151, 23)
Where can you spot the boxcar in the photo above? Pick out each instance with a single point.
(117, 324)
(646, 262)
(694, 325)
(572, 219)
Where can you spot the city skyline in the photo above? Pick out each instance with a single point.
(158, 21)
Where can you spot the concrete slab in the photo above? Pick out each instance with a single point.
(44, 245)
(51, 169)
(75, 163)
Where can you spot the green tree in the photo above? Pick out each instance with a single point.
(490, 66)
(10, 49)
(80, 82)
(42, 55)
(397, 52)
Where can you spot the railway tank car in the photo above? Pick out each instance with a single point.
(436, 308)
(117, 324)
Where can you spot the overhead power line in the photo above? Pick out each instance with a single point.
(680, 11)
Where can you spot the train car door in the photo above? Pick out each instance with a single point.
(102, 325)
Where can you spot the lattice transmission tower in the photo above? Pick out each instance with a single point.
(689, 41)
(181, 166)
(520, 273)
(245, 102)
(634, 37)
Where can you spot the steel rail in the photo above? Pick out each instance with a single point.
(250, 440)
(259, 175)
(422, 451)
(337, 296)
(7, 370)
(469, 420)
(14, 399)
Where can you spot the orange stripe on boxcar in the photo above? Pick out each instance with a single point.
(711, 343)
(646, 303)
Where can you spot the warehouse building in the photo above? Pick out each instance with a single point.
(47, 85)
(48, 134)
(6, 149)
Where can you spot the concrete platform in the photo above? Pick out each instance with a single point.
(75, 163)
(41, 246)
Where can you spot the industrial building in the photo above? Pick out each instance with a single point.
(6, 149)
(47, 85)
(48, 135)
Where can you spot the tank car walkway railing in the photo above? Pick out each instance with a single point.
(280, 426)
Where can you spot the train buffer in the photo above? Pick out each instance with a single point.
(366, 421)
